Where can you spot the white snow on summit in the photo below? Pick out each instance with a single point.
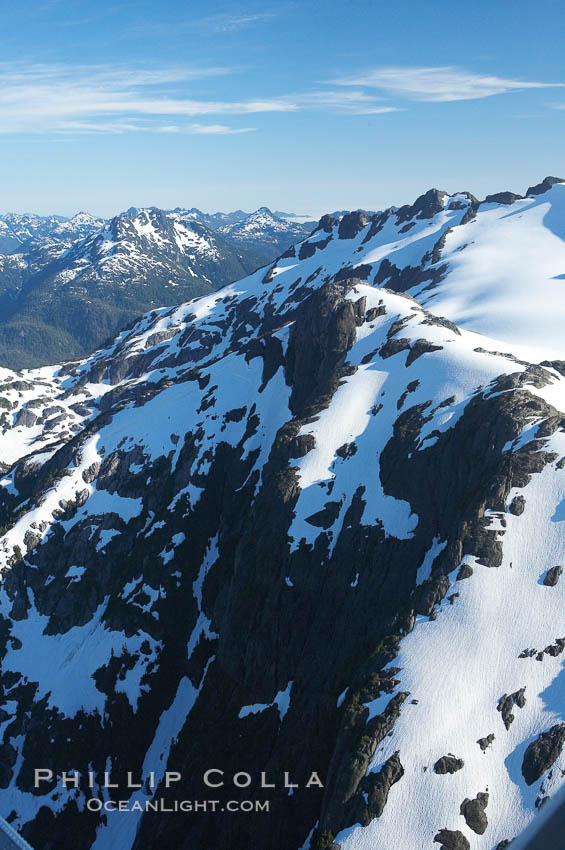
(507, 273)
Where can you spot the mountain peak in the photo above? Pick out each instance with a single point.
(544, 186)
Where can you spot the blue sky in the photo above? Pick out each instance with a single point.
(303, 106)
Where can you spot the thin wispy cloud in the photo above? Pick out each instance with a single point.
(53, 99)
(106, 75)
(58, 99)
(99, 127)
(354, 102)
(216, 24)
(439, 84)
(217, 129)
(118, 127)
(234, 22)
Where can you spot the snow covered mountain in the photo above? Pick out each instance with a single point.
(261, 223)
(59, 301)
(67, 286)
(262, 235)
(310, 524)
(146, 244)
(19, 231)
(211, 220)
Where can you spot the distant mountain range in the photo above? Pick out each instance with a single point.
(67, 285)
(20, 232)
(256, 236)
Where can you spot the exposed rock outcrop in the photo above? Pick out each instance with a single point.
(448, 764)
(507, 702)
(451, 839)
(552, 576)
(474, 812)
(542, 753)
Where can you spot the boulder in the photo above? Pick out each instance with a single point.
(542, 753)
(448, 764)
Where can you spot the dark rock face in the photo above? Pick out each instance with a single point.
(347, 450)
(474, 813)
(555, 649)
(8, 756)
(470, 213)
(351, 794)
(373, 312)
(26, 417)
(542, 753)
(502, 198)
(394, 346)
(545, 184)
(552, 576)
(326, 517)
(507, 703)
(362, 272)
(308, 249)
(419, 347)
(402, 279)
(517, 505)
(484, 743)
(465, 571)
(321, 337)
(452, 839)
(378, 785)
(430, 594)
(426, 206)
(326, 223)
(352, 224)
(448, 764)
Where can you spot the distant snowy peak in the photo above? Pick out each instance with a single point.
(54, 272)
(211, 220)
(229, 221)
(258, 236)
(30, 229)
(262, 222)
(261, 235)
(145, 225)
(84, 219)
(142, 241)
